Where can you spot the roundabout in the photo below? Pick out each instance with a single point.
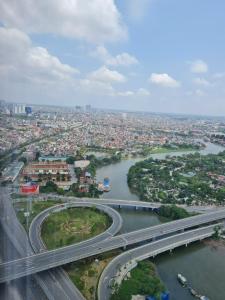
(35, 227)
(170, 235)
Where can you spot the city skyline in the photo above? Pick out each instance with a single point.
(138, 56)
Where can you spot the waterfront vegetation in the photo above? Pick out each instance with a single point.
(85, 273)
(51, 187)
(143, 280)
(72, 226)
(101, 162)
(93, 192)
(34, 207)
(166, 148)
(173, 212)
(188, 179)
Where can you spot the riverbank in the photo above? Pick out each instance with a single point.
(143, 280)
(191, 179)
(146, 151)
(205, 278)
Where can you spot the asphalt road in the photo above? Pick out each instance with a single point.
(14, 245)
(127, 203)
(42, 286)
(50, 259)
(60, 275)
(130, 258)
(35, 227)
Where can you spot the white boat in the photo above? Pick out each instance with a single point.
(182, 279)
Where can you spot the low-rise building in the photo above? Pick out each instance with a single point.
(42, 172)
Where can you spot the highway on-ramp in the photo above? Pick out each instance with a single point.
(54, 258)
(60, 276)
(127, 260)
(35, 227)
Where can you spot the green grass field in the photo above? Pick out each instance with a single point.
(85, 273)
(72, 226)
(143, 280)
(37, 207)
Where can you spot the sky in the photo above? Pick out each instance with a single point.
(145, 55)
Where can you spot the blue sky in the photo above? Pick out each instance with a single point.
(151, 55)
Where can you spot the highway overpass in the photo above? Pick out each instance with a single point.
(54, 258)
(35, 227)
(60, 275)
(128, 260)
(119, 203)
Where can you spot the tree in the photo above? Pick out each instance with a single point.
(60, 191)
(50, 187)
(173, 212)
(78, 172)
(23, 159)
(74, 187)
(37, 155)
(70, 160)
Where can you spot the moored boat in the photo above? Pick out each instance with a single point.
(182, 279)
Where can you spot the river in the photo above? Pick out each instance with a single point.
(202, 264)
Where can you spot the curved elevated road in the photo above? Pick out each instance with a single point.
(129, 258)
(59, 274)
(54, 258)
(35, 227)
(126, 203)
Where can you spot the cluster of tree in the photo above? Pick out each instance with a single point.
(180, 179)
(23, 159)
(173, 212)
(92, 193)
(71, 159)
(184, 146)
(100, 162)
(143, 281)
(51, 187)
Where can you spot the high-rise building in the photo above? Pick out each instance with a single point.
(88, 108)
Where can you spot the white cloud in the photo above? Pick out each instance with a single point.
(20, 60)
(202, 82)
(141, 92)
(137, 8)
(92, 20)
(104, 74)
(200, 93)
(219, 75)
(123, 59)
(101, 53)
(89, 86)
(199, 66)
(164, 80)
(125, 94)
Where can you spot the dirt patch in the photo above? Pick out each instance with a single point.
(71, 227)
(91, 276)
(215, 244)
